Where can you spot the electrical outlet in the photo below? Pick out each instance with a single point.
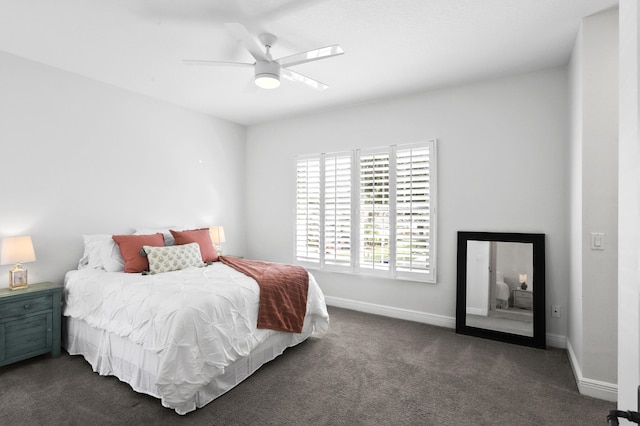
(555, 311)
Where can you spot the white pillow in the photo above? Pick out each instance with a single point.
(173, 258)
(168, 237)
(101, 252)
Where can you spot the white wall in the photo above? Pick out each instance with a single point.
(600, 197)
(82, 157)
(629, 209)
(502, 157)
(593, 291)
(478, 261)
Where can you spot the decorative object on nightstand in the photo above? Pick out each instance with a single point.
(17, 250)
(217, 237)
(30, 322)
(523, 281)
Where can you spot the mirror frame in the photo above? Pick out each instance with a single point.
(539, 324)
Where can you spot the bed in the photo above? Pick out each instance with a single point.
(184, 336)
(503, 291)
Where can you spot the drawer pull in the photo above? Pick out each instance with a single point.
(27, 306)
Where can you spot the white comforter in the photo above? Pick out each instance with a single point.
(198, 320)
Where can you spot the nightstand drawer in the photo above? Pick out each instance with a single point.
(28, 336)
(26, 306)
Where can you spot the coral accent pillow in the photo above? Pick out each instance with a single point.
(200, 236)
(130, 246)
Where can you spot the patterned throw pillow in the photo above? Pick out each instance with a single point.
(173, 258)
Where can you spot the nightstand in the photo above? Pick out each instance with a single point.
(522, 299)
(30, 320)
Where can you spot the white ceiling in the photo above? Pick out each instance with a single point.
(392, 46)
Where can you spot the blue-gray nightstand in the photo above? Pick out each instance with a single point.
(30, 321)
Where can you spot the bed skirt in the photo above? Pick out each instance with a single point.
(112, 355)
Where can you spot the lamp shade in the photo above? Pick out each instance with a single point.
(523, 278)
(17, 250)
(217, 234)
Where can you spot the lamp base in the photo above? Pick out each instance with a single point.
(17, 278)
(17, 286)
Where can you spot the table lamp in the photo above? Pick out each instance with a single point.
(523, 281)
(217, 237)
(16, 251)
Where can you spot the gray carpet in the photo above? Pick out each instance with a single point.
(368, 370)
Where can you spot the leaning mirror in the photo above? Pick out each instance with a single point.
(501, 283)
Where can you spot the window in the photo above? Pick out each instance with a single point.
(369, 211)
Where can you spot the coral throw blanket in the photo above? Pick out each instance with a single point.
(283, 292)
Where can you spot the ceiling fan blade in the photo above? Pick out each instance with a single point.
(216, 63)
(241, 34)
(294, 76)
(312, 55)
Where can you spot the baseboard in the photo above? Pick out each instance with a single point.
(389, 311)
(556, 341)
(590, 387)
(553, 340)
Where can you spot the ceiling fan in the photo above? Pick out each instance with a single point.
(268, 70)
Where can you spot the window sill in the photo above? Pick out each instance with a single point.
(383, 276)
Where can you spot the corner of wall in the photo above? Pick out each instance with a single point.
(589, 387)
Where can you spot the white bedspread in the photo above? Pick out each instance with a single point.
(198, 320)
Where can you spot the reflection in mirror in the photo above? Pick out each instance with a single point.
(498, 295)
(501, 284)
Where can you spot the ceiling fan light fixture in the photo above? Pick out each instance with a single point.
(267, 75)
(267, 81)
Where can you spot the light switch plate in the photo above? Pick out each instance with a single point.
(597, 241)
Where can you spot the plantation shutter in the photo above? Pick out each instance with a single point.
(308, 209)
(414, 187)
(337, 209)
(374, 229)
